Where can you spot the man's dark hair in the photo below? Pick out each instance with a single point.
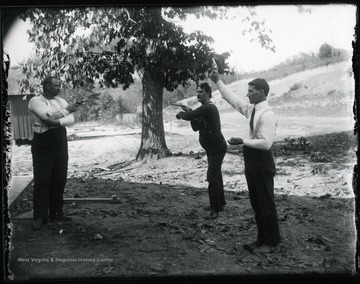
(206, 87)
(48, 80)
(260, 84)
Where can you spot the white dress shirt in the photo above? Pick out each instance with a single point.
(41, 108)
(265, 121)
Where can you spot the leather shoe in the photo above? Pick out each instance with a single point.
(212, 215)
(59, 218)
(38, 223)
(208, 208)
(268, 249)
(256, 244)
(252, 246)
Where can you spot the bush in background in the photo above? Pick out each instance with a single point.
(95, 106)
(108, 107)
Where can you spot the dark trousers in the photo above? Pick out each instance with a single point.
(259, 171)
(215, 180)
(50, 162)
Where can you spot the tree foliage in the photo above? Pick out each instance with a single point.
(106, 46)
(326, 50)
(95, 106)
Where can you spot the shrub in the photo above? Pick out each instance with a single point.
(109, 108)
(295, 144)
(325, 51)
(295, 87)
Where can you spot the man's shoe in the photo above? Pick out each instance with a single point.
(59, 218)
(208, 208)
(268, 249)
(252, 246)
(38, 223)
(212, 215)
(256, 244)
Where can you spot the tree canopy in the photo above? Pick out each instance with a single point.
(105, 46)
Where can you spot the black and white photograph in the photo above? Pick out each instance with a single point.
(179, 141)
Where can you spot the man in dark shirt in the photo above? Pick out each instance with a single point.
(206, 120)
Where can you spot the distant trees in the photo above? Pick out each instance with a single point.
(297, 63)
(301, 58)
(95, 105)
(326, 50)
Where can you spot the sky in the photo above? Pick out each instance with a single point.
(292, 33)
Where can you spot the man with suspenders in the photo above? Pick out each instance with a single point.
(50, 115)
(259, 162)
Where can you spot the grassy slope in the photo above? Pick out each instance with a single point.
(326, 90)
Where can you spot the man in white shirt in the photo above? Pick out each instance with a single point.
(50, 114)
(259, 162)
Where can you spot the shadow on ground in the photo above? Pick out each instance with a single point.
(161, 230)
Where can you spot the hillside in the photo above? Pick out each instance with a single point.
(323, 91)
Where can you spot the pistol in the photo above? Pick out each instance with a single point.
(80, 102)
(178, 105)
(184, 107)
(214, 66)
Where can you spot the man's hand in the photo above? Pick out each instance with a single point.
(214, 76)
(185, 108)
(235, 141)
(178, 116)
(51, 122)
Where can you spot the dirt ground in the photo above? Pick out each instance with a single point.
(159, 228)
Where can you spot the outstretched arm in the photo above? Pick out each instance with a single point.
(235, 101)
(192, 116)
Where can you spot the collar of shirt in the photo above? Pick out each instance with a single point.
(261, 105)
(46, 100)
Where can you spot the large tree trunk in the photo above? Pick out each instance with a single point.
(153, 145)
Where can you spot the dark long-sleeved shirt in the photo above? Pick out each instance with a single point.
(206, 120)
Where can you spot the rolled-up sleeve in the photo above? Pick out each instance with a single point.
(67, 120)
(39, 108)
(64, 112)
